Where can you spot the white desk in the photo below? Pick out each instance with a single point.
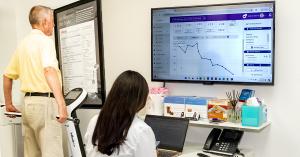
(191, 150)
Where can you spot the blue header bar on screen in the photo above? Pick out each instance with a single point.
(222, 17)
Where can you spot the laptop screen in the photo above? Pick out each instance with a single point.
(169, 131)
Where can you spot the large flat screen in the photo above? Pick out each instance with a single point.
(227, 43)
(79, 44)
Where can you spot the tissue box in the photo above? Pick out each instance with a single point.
(253, 115)
(196, 107)
(174, 106)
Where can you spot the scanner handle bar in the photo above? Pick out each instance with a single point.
(75, 120)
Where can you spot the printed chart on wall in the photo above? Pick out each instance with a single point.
(80, 53)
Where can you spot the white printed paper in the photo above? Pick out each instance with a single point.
(78, 52)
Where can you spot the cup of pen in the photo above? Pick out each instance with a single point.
(234, 114)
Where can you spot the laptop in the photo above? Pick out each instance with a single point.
(170, 132)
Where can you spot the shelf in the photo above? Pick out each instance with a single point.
(229, 125)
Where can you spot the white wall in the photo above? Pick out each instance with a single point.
(7, 38)
(7, 43)
(127, 41)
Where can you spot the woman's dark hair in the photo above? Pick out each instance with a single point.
(127, 96)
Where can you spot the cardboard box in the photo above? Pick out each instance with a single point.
(196, 107)
(218, 109)
(174, 106)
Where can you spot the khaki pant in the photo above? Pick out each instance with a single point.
(42, 133)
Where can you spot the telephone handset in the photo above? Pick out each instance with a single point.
(212, 138)
(223, 141)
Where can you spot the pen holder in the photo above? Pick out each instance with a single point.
(234, 116)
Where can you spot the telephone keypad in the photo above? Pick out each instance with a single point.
(225, 146)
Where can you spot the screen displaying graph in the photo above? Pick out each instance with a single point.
(229, 43)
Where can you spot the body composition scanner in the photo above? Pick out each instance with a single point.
(74, 100)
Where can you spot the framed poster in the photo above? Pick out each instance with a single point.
(79, 46)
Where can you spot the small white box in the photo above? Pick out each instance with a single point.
(196, 107)
(174, 106)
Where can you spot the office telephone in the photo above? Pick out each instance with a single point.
(223, 141)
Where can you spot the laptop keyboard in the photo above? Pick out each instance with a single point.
(166, 153)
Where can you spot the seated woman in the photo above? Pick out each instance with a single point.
(117, 131)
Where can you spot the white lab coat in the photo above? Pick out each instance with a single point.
(140, 141)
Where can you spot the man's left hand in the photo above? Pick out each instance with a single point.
(11, 108)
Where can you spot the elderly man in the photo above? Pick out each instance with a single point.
(34, 63)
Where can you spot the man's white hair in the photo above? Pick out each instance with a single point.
(38, 13)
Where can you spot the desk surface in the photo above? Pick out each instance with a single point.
(191, 150)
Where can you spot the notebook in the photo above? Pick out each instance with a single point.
(170, 132)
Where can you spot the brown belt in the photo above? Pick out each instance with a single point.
(39, 94)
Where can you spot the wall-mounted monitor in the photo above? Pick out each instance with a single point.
(224, 43)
